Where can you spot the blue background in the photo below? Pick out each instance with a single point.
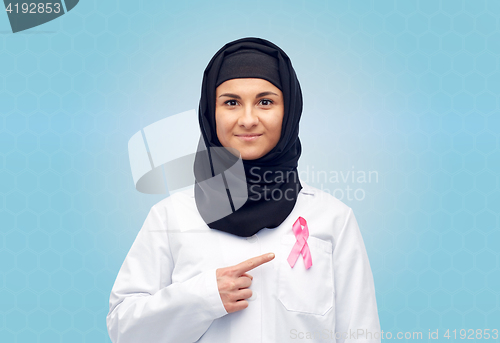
(408, 89)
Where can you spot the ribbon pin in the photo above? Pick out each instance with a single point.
(300, 247)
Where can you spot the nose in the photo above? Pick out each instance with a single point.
(248, 118)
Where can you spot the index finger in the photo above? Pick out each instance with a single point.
(252, 263)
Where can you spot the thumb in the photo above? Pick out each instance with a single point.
(247, 275)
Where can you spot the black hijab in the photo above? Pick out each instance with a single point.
(271, 181)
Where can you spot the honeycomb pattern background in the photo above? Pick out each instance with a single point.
(408, 89)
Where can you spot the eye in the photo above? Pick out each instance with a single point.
(231, 102)
(266, 102)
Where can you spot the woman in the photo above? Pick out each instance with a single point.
(276, 262)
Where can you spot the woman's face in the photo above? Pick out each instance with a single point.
(248, 115)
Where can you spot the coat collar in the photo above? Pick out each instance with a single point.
(306, 189)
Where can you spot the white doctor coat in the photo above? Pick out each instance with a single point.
(166, 289)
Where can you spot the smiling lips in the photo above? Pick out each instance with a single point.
(249, 137)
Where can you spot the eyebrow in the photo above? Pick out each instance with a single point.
(236, 96)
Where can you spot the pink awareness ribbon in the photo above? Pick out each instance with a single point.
(300, 247)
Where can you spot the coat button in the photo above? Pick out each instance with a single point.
(253, 297)
(252, 239)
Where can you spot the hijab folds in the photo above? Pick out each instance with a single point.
(270, 183)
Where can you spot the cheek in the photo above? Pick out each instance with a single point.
(218, 125)
(275, 127)
(221, 127)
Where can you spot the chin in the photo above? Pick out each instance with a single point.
(250, 156)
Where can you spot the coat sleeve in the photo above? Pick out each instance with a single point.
(355, 303)
(141, 310)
